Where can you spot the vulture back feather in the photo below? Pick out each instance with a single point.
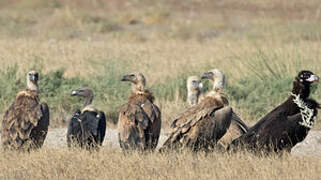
(87, 127)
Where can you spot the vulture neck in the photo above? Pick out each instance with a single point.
(32, 86)
(301, 89)
(193, 96)
(219, 83)
(140, 94)
(139, 88)
(89, 100)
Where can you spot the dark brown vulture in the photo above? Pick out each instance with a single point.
(25, 123)
(139, 121)
(193, 90)
(87, 127)
(286, 125)
(202, 125)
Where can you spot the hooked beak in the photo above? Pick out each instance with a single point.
(74, 93)
(207, 75)
(33, 78)
(200, 85)
(313, 78)
(126, 78)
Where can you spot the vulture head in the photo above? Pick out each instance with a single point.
(302, 83)
(307, 77)
(137, 79)
(217, 77)
(32, 80)
(194, 86)
(86, 93)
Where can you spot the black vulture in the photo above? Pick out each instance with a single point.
(286, 125)
(87, 127)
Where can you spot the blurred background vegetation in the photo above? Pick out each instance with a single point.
(260, 45)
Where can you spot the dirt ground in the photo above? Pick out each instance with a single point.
(56, 138)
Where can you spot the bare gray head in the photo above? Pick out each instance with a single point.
(32, 81)
(87, 93)
(217, 77)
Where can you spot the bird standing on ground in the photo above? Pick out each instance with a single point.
(286, 125)
(87, 127)
(139, 121)
(25, 123)
(202, 125)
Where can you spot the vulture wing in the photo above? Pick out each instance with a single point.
(87, 128)
(281, 133)
(132, 125)
(236, 129)
(200, 127)
(101, 127)
(154, 128)
(25, 123)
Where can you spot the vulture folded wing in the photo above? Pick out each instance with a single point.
(21, 119)
(153, 131)
(236, 129)
(39, 133)
(132, 123)
(101, 127)
(73, 128)
(200, 129)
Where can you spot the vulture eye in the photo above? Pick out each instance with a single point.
(194, 83)
(308, 76)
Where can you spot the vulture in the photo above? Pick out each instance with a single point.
(202, 125)
(87, 127)
(25, 123)
(237, 127)
(286, 125)
(139, 122)
(193, 90)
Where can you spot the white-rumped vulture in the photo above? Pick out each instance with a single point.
(194, 86)
(25, 123)
(87, 127)
(139, 122)
(286, 125)
(202, 125)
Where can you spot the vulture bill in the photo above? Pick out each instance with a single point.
(286, 125)
(87, 127)
(194, 86)
(25, 123)
(139, 122)
(202, 125)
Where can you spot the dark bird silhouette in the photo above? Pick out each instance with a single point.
(87, 127)
(25, 123)
(286, 125)
(202, 125)
(139, 121)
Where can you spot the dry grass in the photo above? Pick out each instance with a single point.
(260, 45)
(64, 164)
